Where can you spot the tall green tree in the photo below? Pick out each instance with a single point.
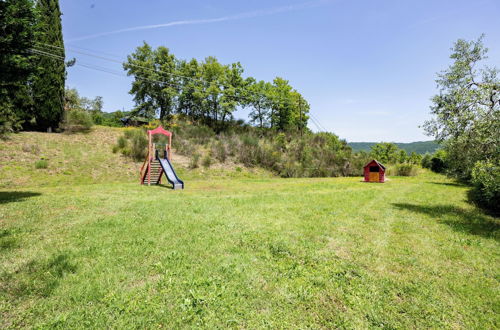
(257, 97)
(17, 20)
(281, 108)
(467, 109)
(49, 82)
(190, 101)
(155, 86)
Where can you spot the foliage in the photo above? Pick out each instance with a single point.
(195, 159)
(77, 120)
(486, 182)
(154, 87)
(9, 121)
(50, 72)
(133, 143)
(467, 110)
(386, 153)
(219, 151)
(439, 161)
(17, 26)
(209, 92)
(41, 164)
(426, 161)
(206, 161)
(406, 169)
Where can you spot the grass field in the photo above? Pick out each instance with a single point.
(83, 245)
(248, 253)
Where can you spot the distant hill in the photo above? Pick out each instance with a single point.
(420, 147)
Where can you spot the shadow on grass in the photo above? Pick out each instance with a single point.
(468, 221)
(37, 277)
(16, 196)
(451, 184)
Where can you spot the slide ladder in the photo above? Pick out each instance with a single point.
(160, 166)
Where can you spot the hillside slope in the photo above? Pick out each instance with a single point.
(87, 159)
(420, 147)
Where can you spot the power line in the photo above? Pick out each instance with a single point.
(199, 80)
(314, 120)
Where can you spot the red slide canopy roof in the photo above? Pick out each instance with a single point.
(159, 130)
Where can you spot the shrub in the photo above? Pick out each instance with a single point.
(133, 143)
(77, 120)
(207, 161)
(406, 170)
(486, 185)
(41, 164)
(122, 142)
(128, 133)
(139, 147)
(31, 148)
(194, 161)
(183, 147)
(438, 161)
(219, 150)
(426, 161)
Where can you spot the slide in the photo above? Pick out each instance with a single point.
(170, 173)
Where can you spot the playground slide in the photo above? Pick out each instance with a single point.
(170, 173)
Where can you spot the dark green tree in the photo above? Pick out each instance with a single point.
(17, 20)
(49, 81)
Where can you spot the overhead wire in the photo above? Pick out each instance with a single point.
(44, 52)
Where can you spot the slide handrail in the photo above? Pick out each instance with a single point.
(142, 168)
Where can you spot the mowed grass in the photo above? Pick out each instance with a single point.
(249, 253)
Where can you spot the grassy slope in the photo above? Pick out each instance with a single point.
(84, 159)
(247, 252)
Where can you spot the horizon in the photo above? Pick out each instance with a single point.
(367, 69)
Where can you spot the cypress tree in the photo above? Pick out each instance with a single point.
(17, 20)
(48, 85)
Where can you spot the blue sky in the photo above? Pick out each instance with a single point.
(366, 67)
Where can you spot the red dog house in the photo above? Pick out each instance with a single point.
(374, 172)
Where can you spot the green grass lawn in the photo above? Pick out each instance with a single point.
(249, 253)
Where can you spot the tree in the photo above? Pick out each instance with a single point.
(155, 81)
(232, 91)
(402, 156)
(257, 96)
(190, 101)
(17, 19)
(49, 81)
(385, 152)
(467, 110)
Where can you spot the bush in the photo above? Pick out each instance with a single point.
(77, 120)
(139, 148)
(438, 161)
(426, 161)
(219, 150)
(194, 161)
(133, 143)
(122, 142)
(486, 185)
(207, 161)
(41, 164)
(406, 170)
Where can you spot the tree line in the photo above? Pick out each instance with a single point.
(31, 86)
(209, 92)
